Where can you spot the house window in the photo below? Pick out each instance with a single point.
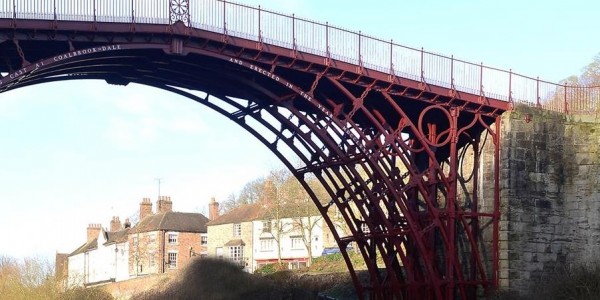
(152, 260)
(203, 239)
(297, 242)
(266, 244)
(173, 238)
(266, 226)
(152, 239)
(295, 265)
(237, 230)
(172, 260)
(236, 253)
(219, 253)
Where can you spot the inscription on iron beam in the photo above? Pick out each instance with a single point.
(304, 95)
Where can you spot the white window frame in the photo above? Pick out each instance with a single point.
(236, 253)
(152, 240)
(172, 263)
(173, 238)
(152, 259)
(267, 244)
(203, 239)
(237, 230)
(267, 226)
(297, 243)
(295, 265)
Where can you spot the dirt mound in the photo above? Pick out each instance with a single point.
(213, 279)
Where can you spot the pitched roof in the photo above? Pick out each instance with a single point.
(93, 244)
(258, 211)
(172, 221)
(235, 242)
(119, 236)
(242, 213)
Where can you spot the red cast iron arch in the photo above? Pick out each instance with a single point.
(377, 147)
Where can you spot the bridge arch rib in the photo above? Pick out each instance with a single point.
(378, 149)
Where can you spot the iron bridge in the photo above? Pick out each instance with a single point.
(394, 134)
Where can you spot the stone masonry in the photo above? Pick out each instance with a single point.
(550, 182)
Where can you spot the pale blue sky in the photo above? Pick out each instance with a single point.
(80, 152)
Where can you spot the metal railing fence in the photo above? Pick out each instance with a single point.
(264, 26)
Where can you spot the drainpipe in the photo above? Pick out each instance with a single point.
(163, 244)
(85, 268)
(116, 255)
(251, 255)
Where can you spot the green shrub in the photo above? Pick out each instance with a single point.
(270, 269)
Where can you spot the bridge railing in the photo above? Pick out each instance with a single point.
(298, 34)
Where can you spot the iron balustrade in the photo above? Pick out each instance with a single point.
(298, 34)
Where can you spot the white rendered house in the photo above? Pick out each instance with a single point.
(295, 237)
(101, 259)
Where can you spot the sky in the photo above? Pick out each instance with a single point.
(75, 153)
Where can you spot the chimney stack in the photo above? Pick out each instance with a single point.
(164, 204)
(145, 208)
(93, 231)
(61, 266)
(127, 224)
(213, 209)
(269, 192)
(115, 224)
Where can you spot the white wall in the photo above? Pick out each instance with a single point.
(76, 271)
(287, 252)
(100, 264)
(122, 260)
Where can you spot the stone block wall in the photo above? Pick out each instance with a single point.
(550, 196)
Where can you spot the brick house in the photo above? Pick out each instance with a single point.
(165, 241)
(160, 242)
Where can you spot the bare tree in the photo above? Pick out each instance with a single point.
(230, 203)
(273, 197)
(250, 193)
(591, 73)
(143, 252)
(288, 200)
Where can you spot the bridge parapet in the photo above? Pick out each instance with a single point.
(333, 43)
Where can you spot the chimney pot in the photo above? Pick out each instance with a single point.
(127, 223)
(145, 208)
(164, 204)
(93, 231)
(115, 224)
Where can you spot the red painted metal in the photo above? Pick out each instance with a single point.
(388, 150)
